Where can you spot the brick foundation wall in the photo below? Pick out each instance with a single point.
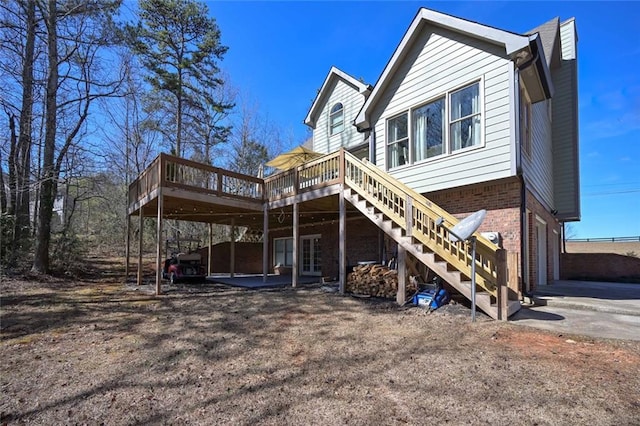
(600, 267)
(248, 257)
(362, 243)
(501, 200)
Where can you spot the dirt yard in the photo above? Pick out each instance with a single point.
(96, 351)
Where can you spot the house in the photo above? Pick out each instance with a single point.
(473, 117)
(464, 117)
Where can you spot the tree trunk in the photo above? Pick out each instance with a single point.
(3, 194)
(179, 117)
(23, 164)
(11, 162)
(48, 186)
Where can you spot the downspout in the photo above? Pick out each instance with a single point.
(524, 231)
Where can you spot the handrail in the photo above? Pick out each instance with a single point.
(146, 182)
(395, 200)
(311, 175)
(169, 171)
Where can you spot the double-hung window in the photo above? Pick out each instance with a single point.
(283, 251)
(465, 117)
(428, 130)
(449, 123)
(336, 119)
(398, 141)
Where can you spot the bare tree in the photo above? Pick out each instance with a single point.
(20, 24)
(254, 141)
(75, 33)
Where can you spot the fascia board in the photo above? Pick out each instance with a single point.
(334, 73)
(542, 66)
(511, 41)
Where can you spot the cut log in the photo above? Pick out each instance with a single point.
(377, 281)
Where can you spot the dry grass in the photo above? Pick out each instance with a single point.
(95, 351)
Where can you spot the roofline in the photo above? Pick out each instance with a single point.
(334, 73)
(543, 70)
(512, 43)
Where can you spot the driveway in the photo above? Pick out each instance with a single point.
(594, 309)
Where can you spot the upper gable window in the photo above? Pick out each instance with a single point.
(336, 119)
(465, 121)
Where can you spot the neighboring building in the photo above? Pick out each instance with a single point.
(463, 117)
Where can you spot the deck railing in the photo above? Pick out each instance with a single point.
(148, 180)
(168, 171)
(309, 176)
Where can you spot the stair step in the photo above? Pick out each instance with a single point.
(389, 224)
(406, 240)
(425, 254)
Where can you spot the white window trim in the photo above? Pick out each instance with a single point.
(448, 152)
(408, 138)
(445, 136)
(480, 82)
(331, 114)
(285, 255)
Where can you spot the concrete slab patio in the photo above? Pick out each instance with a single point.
(594, 309)
(257, 281)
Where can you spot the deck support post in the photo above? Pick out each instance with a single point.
(381, 252)
(232, 249)
(296, 238)
(265, 243)
(502, 287)
(140, 230)
(159, 245)
(127, 249)
(402, 275)
(342, 250)
(210, 251)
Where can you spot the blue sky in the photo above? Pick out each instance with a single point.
(280, 53)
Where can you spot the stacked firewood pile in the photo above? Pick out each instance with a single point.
(377, 281)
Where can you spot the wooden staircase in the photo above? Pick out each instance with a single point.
(410, 220)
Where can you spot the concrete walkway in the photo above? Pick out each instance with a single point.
(594, 309)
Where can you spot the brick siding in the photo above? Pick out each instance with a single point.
(362, 243)
(503, 200)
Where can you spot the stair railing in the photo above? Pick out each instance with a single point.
(417, 216)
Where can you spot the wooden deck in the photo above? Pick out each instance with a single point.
(198, 192)
(315, 192)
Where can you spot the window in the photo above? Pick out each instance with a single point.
(283, 251)
(397, 141)
(525, 121)
(336, 119)
(428, 130)
(465, 117)
(443, 126)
